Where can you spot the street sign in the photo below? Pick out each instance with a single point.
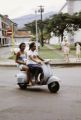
(9, 32)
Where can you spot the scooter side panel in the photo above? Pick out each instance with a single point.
(21, 77)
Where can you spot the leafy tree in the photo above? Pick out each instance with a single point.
(58, 24)
(31, 27)
(64, 22)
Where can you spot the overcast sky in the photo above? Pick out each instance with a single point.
(17, 8)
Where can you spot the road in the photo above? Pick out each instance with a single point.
(38, 103)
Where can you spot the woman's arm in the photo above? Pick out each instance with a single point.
(40, 58)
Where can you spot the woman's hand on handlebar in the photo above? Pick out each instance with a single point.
(39, 62)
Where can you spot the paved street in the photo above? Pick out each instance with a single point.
(38, 103)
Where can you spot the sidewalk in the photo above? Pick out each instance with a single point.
(7, 63)
(53, 62)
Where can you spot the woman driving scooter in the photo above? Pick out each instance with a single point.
(21, 59)
(34, 61)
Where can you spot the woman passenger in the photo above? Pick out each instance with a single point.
(21, 59)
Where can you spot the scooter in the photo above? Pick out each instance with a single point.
(48, 79)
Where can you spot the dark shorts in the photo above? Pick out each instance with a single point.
(35, 67)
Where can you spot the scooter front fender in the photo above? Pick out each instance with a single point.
(52, 79)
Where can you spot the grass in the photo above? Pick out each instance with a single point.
(46, 53)
(55, 53)
(57, 46)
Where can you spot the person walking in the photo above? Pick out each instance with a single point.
(66, 49)
(77, 51)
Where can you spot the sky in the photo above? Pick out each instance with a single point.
(17, 8)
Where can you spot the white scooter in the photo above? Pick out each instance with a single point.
(48, 79)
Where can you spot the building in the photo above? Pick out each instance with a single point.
(22, 35)
(6, 26)
(74, 6)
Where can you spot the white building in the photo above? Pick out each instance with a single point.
(74, 6)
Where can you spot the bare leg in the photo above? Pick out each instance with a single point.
(29, 77)
(25, 68)
(77, 57)
(67, 58)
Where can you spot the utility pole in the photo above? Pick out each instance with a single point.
(36, 30)
(41, 10)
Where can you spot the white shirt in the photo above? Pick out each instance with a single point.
(33, 54)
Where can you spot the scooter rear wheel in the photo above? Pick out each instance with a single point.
(54, 87)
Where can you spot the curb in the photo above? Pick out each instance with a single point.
(65, 64)
(52, 64)
(7, 65)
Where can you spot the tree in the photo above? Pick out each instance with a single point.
(58, 24)
(31, 27)
(64, 22)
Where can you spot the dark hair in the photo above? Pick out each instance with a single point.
(21, 45)
(31, 45)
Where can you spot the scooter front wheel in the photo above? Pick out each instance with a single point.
(22, 85)
(54, 87)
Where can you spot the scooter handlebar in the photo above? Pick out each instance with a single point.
(47, 61)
